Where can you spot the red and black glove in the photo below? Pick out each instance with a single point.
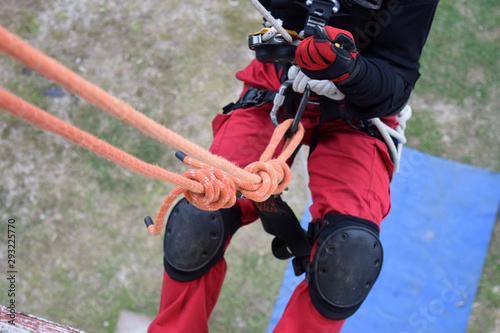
(328, 55)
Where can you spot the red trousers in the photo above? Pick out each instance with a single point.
(349, 172)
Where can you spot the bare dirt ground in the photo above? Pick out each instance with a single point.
(82, 244)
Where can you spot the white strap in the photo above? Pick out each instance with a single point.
(268, 17)
(398, 133)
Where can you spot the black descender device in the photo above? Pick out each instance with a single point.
(277, 49)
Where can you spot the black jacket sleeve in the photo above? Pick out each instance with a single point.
(388, 66)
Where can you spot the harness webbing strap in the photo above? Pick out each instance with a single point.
(279, 220)
(253, 97)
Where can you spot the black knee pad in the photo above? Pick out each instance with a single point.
(347, 261)
(195, 239)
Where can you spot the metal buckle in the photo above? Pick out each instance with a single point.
(253, 97)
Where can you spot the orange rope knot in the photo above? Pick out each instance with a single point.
(218, 191)
(275, 176)
(275, 173)
(219, 188)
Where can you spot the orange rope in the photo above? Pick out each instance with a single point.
(212, 187)
(13, 46)
(48, 122)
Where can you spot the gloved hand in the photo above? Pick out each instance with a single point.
(321, 87)
(330, 54)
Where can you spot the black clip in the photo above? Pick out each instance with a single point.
(300, 111)
(254, 97)
(148, 221)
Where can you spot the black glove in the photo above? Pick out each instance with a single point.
(328, 55)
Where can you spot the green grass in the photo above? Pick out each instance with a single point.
(424, 133)
(124, 137)
(460, 65)
(32, 89)
(490, 284)
(488, 296)
(457, 44)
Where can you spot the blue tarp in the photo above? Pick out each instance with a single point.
(435, 241)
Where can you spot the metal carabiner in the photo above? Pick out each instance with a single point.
(278, 103)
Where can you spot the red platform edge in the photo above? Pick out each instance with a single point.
(28, 323)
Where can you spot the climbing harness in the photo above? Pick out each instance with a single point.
(253, 97)
(212, 186)
(394, 138)
(328, 96)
